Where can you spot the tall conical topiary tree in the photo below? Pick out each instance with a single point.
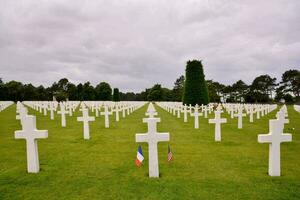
(195, 88)
(116, 95)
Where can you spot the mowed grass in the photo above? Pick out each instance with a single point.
(103, 167)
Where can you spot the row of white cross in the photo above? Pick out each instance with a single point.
(276, 126)
(297, 108)
(235, 110)
(5, 104)
(95, 106)
(275, 136)
(31, 134)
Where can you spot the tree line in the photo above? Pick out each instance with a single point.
(263, 89)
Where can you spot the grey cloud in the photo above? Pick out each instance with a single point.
(135, 44)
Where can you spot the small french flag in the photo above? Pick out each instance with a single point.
(139, 157)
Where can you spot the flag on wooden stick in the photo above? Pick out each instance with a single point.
(170, 155)
(139, 157)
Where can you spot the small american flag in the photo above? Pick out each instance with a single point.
(170, 155)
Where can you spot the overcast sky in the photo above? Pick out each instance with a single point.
(135, 44)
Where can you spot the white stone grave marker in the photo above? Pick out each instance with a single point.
(86, 119)
(31, 134)
(152, 137)
(106, 114)
(275, 137)
(217, 121)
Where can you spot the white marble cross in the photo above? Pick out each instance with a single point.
(117, 110)
(205, 109)
(106, 114)
(178, 111)
(251, 112)
(86, 119)
(196, 114)
(275, 137)
(45, 107)
(185, 113)
(22, 114)
(152, 137)
(70, 111)
(123, 112)
(217, 121)
(51, 108)
(240, 116)
(97, 111)
(231, 112)
(30, 134)
(257, 112)
(63, 113)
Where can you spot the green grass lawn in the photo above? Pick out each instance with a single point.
(103, 167)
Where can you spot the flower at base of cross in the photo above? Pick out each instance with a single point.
(139, 157)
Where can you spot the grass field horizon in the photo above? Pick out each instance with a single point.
(103, 167)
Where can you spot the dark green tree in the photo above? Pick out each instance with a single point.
(60, 89)
(29, 93)
(88, 92)
(14, 91)
(262, 88)
(116, 95)
(167, 95)
(103, 91)
(213, 91)
(291, 83)
(128, 96)
(178, 89)
(72, 92)
(43, 94)
(3, 92)
(80, 92)
(155, 93)
(240, 90)
(195, 88)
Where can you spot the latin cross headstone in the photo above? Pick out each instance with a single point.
(205, 109)
(217, 121)
(231, 112)
(97, 111)
(196, 115)
(240, 116)
(178, 112)
(106, 114)
(258, 113)
(251, 112)
(51, 108)
(22, 114)
(123, 111)
(275, 138)
(31, 134)
(117, 110)
(45, 108)
(70, 111)
(152, 137)
(63, 113)
(185, 113)
(86, 119)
